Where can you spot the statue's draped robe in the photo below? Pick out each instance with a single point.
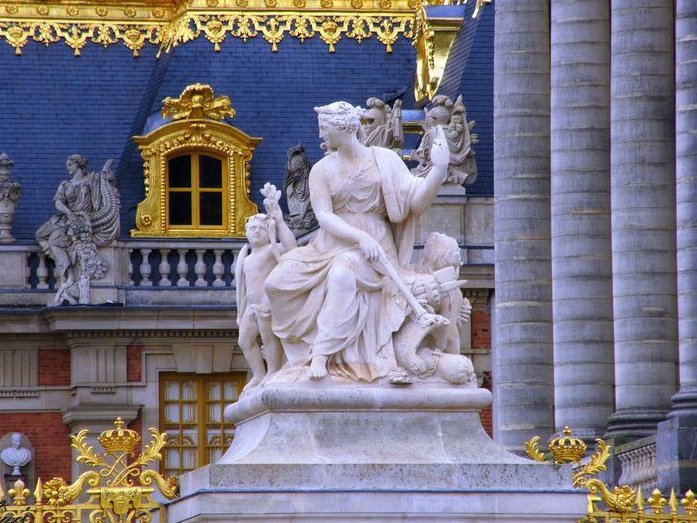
(353, 329)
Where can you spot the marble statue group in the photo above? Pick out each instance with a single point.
(350, 306)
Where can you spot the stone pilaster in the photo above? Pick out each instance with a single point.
(643, 214)
(523, 368)
(580, 201)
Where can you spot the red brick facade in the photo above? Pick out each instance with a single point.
(49, 436)
(481, 330)
(54, 367)
(134, 363)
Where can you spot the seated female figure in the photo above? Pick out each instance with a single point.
(331, 302)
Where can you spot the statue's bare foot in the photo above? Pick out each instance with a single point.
(318, 368)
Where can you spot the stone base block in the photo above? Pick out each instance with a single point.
(377, 506)
(332, 453)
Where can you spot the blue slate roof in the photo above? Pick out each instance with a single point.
(55, 104)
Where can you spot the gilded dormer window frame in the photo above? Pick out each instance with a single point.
(195, 131)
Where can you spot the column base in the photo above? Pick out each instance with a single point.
(630, 424)
(684, 403)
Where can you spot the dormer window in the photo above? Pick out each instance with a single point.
(196, 171)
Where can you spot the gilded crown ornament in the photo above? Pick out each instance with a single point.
(119, 439)
(197, 101)
(567, 449)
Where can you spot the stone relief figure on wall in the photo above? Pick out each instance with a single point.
(301, 218)
(350, 304)
(87, 218)
(269, 237)
(16, 456)
(452, 119)
(381, 125)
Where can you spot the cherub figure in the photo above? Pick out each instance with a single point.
(269, 237)
(441, 258)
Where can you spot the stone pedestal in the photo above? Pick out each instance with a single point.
(676, 453)
(379, 454)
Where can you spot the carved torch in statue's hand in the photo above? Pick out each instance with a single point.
(271, 199)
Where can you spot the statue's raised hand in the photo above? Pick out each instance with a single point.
(271, 199)
(440, 152)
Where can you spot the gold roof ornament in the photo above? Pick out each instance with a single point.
(197, 101)
(118, 439)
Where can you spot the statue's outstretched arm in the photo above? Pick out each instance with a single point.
(427, 190)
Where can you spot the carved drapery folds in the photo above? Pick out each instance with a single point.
(196, 170)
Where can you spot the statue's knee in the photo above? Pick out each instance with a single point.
(341, 276)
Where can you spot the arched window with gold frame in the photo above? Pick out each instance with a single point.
(196, 171)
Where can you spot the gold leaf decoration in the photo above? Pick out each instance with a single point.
(197, 101)
(532, 450)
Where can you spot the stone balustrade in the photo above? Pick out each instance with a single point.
(190, 271)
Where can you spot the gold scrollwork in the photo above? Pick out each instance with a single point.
(273, 27)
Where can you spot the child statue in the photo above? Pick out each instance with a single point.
(253, 309)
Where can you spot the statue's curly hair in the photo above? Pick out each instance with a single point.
(78, 160)
(342, 115)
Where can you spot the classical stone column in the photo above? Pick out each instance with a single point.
(581, 247)
(523, 369)
(643, 214)
(686, 171)
(675, 449)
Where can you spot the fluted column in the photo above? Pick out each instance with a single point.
(685, 402)
(643, 214)
(523, 369)
(581, 248)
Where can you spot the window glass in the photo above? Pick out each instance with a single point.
(211, 208)
(180, 208)
(180, 171)
(210, 172)
(191, 413)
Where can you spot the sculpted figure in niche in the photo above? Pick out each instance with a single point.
(87, 218)
(16, 456)
(452, 118)
(297, 190)
(337, 302)
(253, 310)
(381, 125)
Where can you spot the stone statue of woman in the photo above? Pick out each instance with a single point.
(337, 302)
(87, 218)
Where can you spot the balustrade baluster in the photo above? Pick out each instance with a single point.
(145, 269)
(42, 272)
(182, 268)
(200, 269)
(165, 268)
(130, 268)
(218, 268)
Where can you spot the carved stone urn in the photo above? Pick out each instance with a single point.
(10, 192)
